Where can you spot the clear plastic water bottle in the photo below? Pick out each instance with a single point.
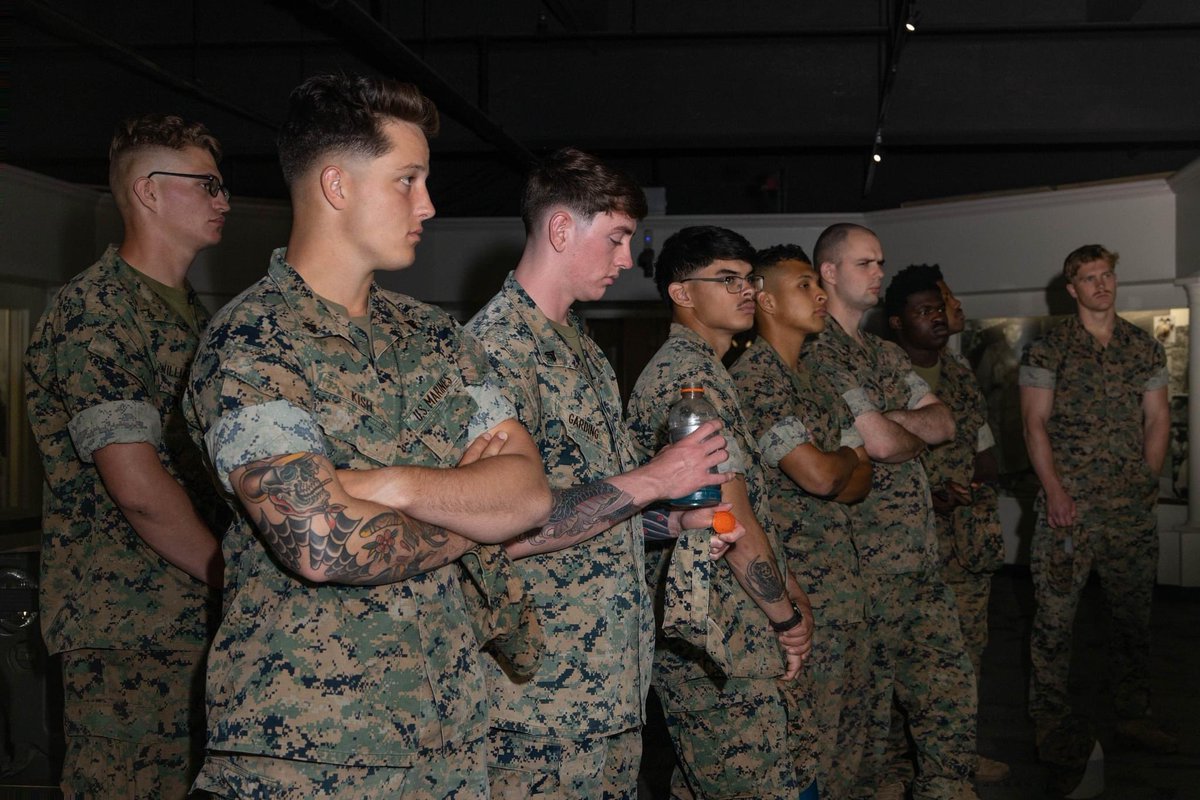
(690, 412)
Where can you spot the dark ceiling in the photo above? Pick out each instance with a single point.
(734, 106)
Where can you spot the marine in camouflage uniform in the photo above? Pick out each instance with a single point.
(376, 679)
(129, 552)
(918, 655)
(787, 407)
(923, 313)
(1099, 443)
(955, 461)
(717, 661)
(107, 365)
(585, 702)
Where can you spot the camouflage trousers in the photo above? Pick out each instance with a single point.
(919, 662)
(733, 739)
(831, 695)
(1123, 550)
(971, 594)
(133, 721)
(522, 765)
(454, 773)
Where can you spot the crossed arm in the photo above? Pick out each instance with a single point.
(317, 522)
(893, 437)
(843, 475)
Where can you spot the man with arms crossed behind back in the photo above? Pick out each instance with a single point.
(574, 729)
(1094, 404)
(365, 449)
(129, 564)
(918, 654)
(731, 629)
(815, 466)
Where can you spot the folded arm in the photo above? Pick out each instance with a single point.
(323, 534)
(929, 420)
(486, 501)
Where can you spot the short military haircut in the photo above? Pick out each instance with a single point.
(581, 182)
(1086, 255)
(829, 244)
(690, 250)
(909, 281)
(766, 260)
(347, 113)
(155, 130)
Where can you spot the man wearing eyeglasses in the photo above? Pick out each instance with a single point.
(129, 558)
(917, 654)
(719, 686)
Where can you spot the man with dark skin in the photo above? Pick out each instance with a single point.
(962, 471)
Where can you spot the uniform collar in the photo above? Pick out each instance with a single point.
(681, 331)
(152, 306)
(320, 321)
(551, 348)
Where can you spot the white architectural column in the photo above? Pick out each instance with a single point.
(1187, 537)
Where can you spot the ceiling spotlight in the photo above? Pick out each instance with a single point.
(876, 157)
(910, 26)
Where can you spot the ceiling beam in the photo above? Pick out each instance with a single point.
(370, 41)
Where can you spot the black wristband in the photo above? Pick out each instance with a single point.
(795, 619)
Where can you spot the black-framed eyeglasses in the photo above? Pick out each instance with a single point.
(211, 183)
(734, 284)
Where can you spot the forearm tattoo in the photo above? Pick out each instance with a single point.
(579, 509)
(310, 523)
(763, 580)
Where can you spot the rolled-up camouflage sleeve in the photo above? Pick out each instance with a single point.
(114, 422)
(491, 408)
(851, 438)
(984, 439)
(254, 433)
(782, 438)
(917, 388)
(1038, 367)
(1157, 380)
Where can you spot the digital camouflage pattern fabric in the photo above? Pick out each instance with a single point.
(970, 537)
(893, 525)
(1096, 437)
(727, 716)
(106, 365)
(364, 676)
(916, 647)
(591, 597)
(130, 723)
(787, 408)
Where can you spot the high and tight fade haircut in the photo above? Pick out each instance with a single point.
(347, 113)
(1086, 255)
(156, 130)
(690, 250)
(767, 259)
(909, 281)
(581, 182)
(829, 244)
